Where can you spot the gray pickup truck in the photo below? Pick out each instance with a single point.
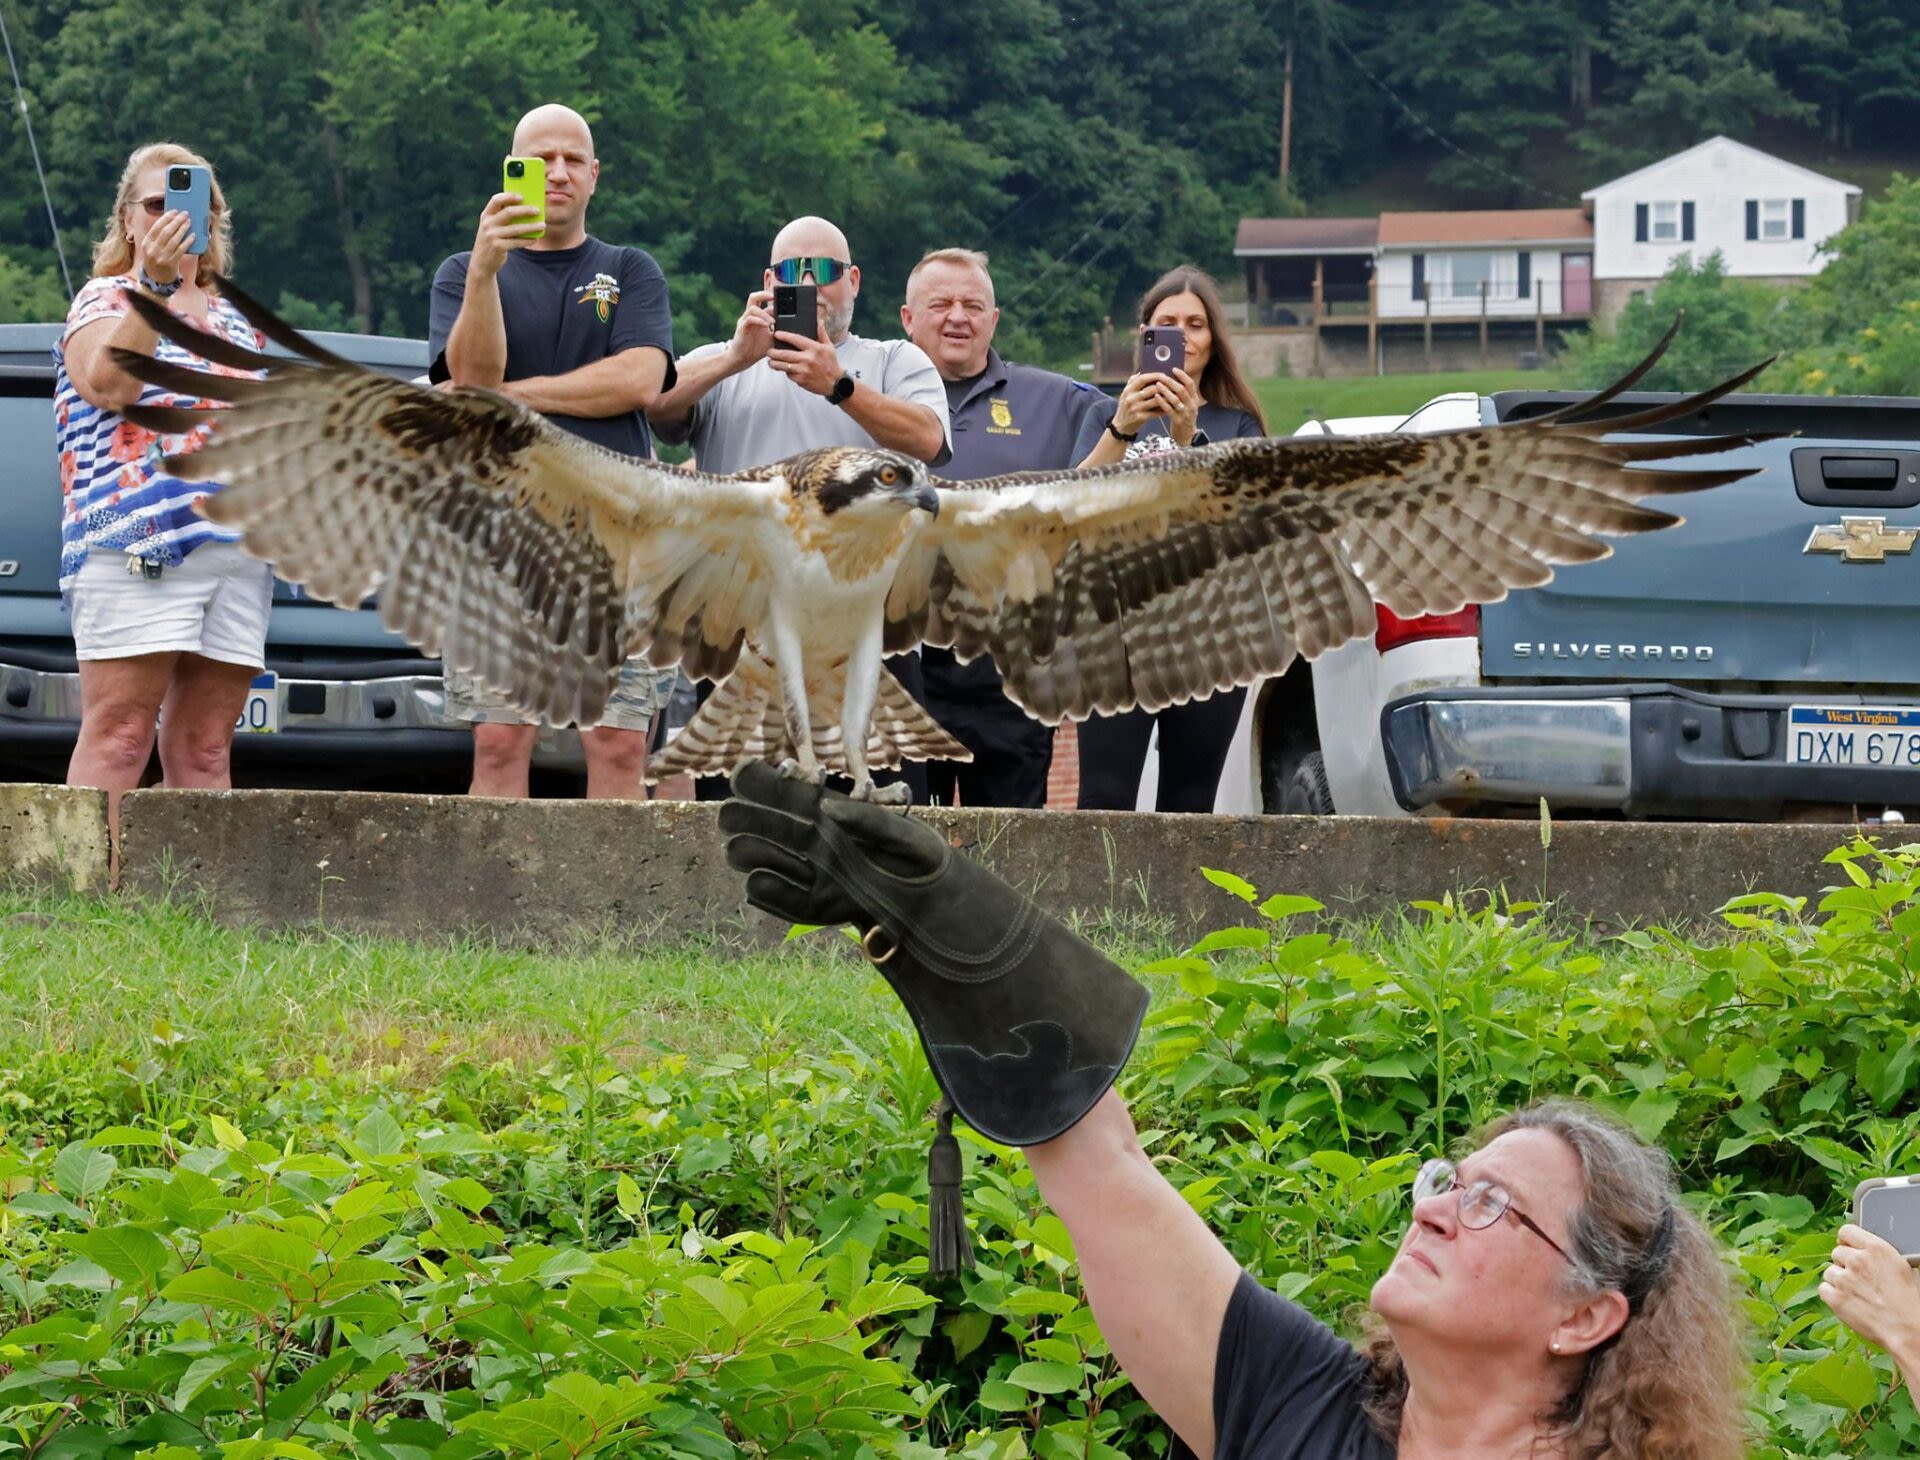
(343, 703)
(1760, 662)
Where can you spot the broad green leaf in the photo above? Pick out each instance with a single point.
(379, 1134)
(1238, 886)
(1233, 938)
(1754, 1070)
(1650, 1112)
(1046, 1378)
(966, 1331)
(1844, 1378)
(1288, 905)
(81, 1172)
(226, 1135)
(132, 1254)
(221, 1290)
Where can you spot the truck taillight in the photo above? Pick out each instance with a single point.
(1395, 631)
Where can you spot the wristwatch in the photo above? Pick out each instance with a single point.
(158, 290)
(842, 391)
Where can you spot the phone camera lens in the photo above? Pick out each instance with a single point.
(177, 179)
(1163, 353)
(516, 169)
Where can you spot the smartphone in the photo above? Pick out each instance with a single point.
(1889, 1207)
(526, 179)
(796, 310)
(190, 191)
(1163, 349)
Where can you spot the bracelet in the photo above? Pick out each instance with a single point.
(1122, 436)
(159, 291)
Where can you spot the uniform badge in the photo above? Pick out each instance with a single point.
(603, 293)
(1002, 413)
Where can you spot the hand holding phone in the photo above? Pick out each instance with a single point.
(1889, 1207)
(190, 191)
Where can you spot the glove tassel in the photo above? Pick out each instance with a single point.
(948, 1249)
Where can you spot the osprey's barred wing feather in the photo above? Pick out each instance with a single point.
(1166, 578)
(516, 552)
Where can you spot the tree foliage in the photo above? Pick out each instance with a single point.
(1086, 151)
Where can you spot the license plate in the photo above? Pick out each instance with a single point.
(1870, 736)
(261, 714)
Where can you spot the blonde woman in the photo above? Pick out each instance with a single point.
(169, 617)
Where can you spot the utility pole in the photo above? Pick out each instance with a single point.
(1286, 122)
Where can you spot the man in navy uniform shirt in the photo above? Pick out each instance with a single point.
(1004, 418)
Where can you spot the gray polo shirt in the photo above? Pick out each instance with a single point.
(759, 415)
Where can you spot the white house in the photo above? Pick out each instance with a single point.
(1524, 262)
(1767, 218)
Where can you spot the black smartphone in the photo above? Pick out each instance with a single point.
(796, 311)
(1889, 1207)
(1163, 349)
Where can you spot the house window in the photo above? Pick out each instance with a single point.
(1664, 223)
(1469, 272)
(1776, 218)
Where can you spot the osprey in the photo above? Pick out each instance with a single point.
(538, 562)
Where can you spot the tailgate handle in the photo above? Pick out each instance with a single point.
(1853, 473)
(1824, 477)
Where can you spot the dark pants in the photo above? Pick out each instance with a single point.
(903, 667)
(1012, 752)
(1194, 739)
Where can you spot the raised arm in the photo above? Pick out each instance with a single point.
(1157, 1278)
(1026, 1025)
(672, 411)
(1872, 1290)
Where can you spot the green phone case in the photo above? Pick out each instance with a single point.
(530, 186)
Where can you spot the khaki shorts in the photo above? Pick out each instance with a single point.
(640, 694)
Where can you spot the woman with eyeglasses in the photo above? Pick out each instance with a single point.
(1551, 1300)
(169, 616)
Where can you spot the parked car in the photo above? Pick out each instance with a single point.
(343, 703)
(1760, 662)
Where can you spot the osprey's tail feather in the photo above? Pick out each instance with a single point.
(744, 720)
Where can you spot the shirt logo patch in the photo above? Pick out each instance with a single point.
(1001, 414)
(603, 293)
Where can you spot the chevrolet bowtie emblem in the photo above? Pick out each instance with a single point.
(1862, 540)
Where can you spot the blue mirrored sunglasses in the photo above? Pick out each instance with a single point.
(823, 269)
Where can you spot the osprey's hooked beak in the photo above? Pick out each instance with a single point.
(926, 497)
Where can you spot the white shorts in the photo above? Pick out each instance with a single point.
(215, 604)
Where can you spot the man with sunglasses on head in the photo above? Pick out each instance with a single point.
(763, 396)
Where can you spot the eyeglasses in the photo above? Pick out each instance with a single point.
(824, 270)
(1481, 1204)
(154, 206)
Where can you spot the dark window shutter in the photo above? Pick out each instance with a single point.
(1526, 274)
(1639, 222)
(1419, 277)
(1799, 217)
(1686, 223)
(1753, 220)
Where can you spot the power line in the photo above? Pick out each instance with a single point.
(1073, 247)
(1490, 168)
(20, 92)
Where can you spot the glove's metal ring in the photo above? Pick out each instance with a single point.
(866, 946)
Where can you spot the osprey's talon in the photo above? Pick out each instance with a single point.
(898, 794)
(794, 771)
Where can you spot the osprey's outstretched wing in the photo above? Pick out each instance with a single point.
(1162, 579)
(516, 552)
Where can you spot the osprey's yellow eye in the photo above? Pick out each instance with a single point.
(889, 475)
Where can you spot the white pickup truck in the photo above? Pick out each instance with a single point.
(1760, 662)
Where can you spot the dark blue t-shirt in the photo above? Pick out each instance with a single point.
(1286, 1387)
(565, 308)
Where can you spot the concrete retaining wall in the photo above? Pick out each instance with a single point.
(537, 872)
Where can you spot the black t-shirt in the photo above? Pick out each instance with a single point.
(1286, 1387)
(1221, 423)
(565, 308)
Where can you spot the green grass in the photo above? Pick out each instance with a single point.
(1289, 402)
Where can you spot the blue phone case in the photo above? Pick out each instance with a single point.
(195, 200)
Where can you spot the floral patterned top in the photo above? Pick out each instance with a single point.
(116, 494)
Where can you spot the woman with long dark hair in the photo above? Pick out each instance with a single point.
(1208, 400)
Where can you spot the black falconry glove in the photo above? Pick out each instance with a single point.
(1025, 1023)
